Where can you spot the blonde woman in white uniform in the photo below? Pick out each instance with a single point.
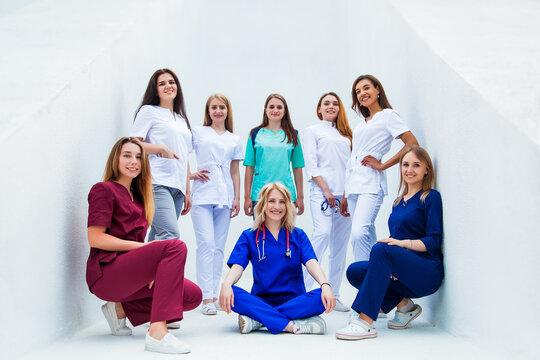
(327, 148)
(216, 193)
(365, 185)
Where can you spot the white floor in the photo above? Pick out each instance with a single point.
(217, 337)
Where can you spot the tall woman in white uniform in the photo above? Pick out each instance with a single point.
(365, 184)
(216, 193)
(163, 127)
(327, 148)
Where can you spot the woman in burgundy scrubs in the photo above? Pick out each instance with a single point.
(141, 281)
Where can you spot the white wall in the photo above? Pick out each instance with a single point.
(72, 81)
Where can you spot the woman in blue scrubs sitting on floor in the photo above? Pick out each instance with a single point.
(277, 249)
(409, 263)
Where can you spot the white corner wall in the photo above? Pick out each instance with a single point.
(72, 81)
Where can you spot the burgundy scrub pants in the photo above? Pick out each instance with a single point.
(127, 277)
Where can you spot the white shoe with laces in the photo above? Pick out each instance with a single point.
(311, 325)
(170, 344)
(341, 306)
(118, 326)
(402, 320)
(356, 330)
(247, 324)
(209, 309)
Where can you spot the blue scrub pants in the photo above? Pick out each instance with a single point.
(277, 317)
(416, 277)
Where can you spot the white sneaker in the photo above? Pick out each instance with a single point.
(356, 330)
(311, 325)
(174, 325)
(382, 315)
(341, 306)
(218, 308)
(402, 320)
(118, 326)
(209, 309)
(247, 324)
(170, 344)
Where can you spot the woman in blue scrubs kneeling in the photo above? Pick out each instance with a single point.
(409, 263)
(277, 250)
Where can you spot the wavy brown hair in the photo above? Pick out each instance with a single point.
(427, 182)
(228, 120)
(141, 186)
(151, 96)
(286, 124)
(341, 122)
(290, 212)
(383, 100)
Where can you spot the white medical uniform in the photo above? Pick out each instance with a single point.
(365, 187)
(326, 153)
(212, 202)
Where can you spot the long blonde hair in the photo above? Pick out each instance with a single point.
(141, 186)
(427, 182)
(290, 213)
(228, 120)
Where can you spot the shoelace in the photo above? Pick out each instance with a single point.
(303, 328)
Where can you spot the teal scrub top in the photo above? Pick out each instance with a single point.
(272, 159)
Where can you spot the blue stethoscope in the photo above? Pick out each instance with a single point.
(287, 253)
(334, 210)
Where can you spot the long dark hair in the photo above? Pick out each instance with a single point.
(286, 124)
(383, 100)
(151, 95)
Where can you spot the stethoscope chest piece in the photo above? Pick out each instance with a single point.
(288, 253)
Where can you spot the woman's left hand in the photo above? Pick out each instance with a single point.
(328, 298)
(390, 241)
(299, 203)
(372, 162)
(187, 204)
(235, 208)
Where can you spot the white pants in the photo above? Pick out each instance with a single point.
(211, 225)
(364, 209)
(333, 231)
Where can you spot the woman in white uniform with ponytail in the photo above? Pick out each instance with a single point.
(327, 148)
(365, 184)
(216, 193)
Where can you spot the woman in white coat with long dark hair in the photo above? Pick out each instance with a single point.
(327, 148)
(365, 185)
(216, 193)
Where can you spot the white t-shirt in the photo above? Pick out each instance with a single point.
(326, 153)
(372, 138)
(157, 125)
(215, 153)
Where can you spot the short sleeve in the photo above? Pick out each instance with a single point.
(240, 254)
(249, 160)
(395, 126)
(307, 249)
(100, 206)
(143, 123)
(434, 223)
(297, 157)
(310, 153)
(238, 154)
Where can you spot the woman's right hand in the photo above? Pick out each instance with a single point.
(343, 207)
(167, 153)
(248, 207)
(226, 298)
(330, 198)
(200, 175)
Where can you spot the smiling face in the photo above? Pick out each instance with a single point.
(276, 207)
(129, 162)
(275, 109)
(329, 108)
(366, 93)
(413, 170)
(218, 111)
(167, 88)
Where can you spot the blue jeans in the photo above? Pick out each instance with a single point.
(169, 202)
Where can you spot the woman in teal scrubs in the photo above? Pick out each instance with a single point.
(272, 148)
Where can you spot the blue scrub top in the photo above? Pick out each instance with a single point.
(414, 219)
(276, 278)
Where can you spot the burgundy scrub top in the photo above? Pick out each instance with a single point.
(110, 205)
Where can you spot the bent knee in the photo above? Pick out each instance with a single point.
(361, 231)
(175, 245)
(356, 272)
